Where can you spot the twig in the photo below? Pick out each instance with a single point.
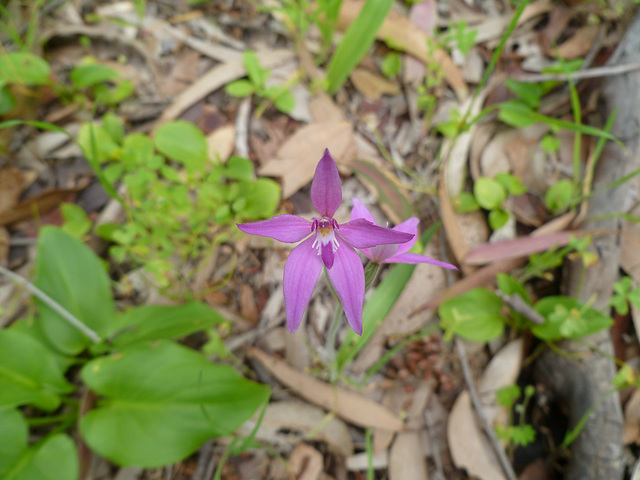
(51, 303)
(606, 71)
(516, 302)
(243, 118)
(505, 463)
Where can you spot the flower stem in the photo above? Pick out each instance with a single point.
(370, 274)
(330, 345)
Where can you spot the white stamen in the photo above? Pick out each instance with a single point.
(325, 233)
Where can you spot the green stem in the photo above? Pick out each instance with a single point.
(40, 421)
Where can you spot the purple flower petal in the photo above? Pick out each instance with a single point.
(327, 254)
(301, 273)
(285, 228)
(347, 278)
(326, 190)
(416, 258)
(363, 234)
(408, 226)
(360, 211)
(380, 253)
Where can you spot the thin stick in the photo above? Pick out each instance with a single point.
(505, 463)
(51, 303)
(595, 72)
(435, 448)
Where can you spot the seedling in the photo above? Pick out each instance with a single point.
(255, 83)
(521, 434)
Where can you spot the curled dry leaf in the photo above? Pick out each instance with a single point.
(631, 427)
(221, 142)
(349, 405)
(306, 463)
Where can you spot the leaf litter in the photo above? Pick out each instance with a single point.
(183, 63)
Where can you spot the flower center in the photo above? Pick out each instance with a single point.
(324, 229)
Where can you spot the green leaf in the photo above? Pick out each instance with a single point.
(356, 42)
(183, 142)
(239, 168)
(559, 195)
(96, 144)
(256, 73)
(507, 396)
(14, 435)
(516, 113)
(155, 322)
(511, 183)
(84, 76)
(466, 202)
(122, 90)
(7, 100)
(568, 318)
(262, 198)
(489, 193)
(550, 143)
(391, 64)
(114, 127)
(24, 69)
(76, 222)
(498, 218)
(71, 273)
(509, 286)
(474, 315)
(531, 93)
(161, 402)
(29, 374)
(240, 88)
(137, 151)
(55, 458)
(285, 101)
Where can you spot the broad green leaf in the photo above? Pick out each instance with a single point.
(70, 273)
(498, 218)
(239, 168)
(29, 374)
(108, 95)
(356, 42)
(240, 88)
(509, 286)
(285, 101)
(137, 151)
(474, 315)
(161, 401)
(391, 64)
(114, 127)
(516, 113)
(511, 183)
(96, 144)
(466, 202)
(155, 322)
(24, 68)
(568, 318)
(84, 76)
(261, 197)
(559, 195)
(14, 435)
(183, 142)
(55, 458)
(76, 222)
(489, 193)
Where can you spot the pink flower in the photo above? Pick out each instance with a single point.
(326, 243)
(394, 253)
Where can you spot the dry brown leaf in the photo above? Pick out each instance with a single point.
(349, 405)
(410, 38)
(183, 73)
(215, 78)
(11, 185)
(469, 447)
(38, 205)
(296, 160)
(324, 109)
(579, 44)
(371, 85)
(221, 142)
(406, 458)
(306, 463)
